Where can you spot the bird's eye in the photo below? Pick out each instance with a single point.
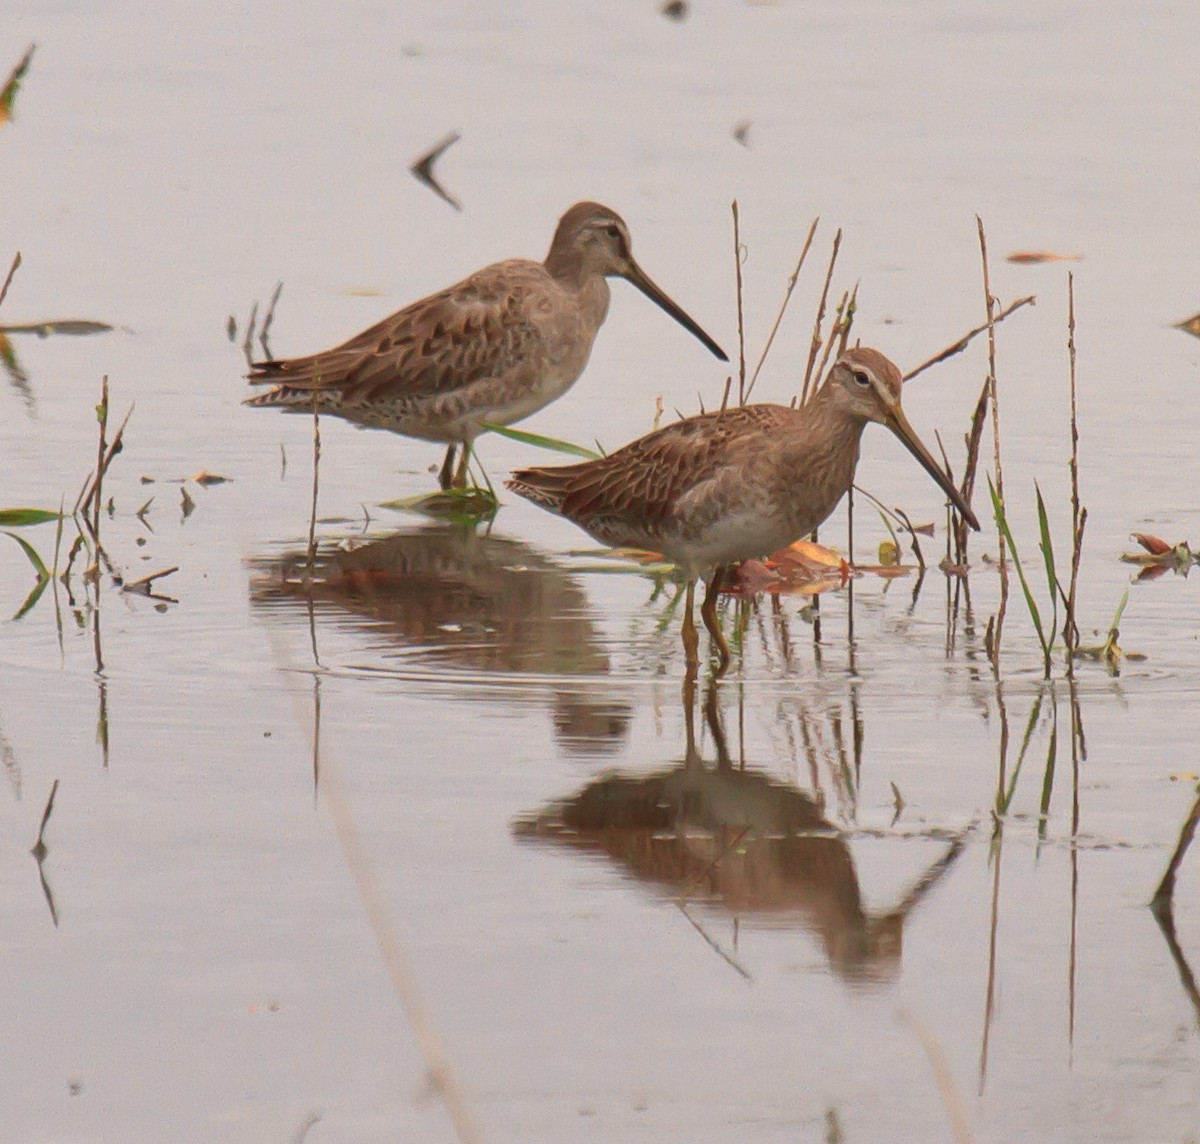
(612, 230)
(861, 378)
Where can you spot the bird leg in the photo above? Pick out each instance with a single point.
(691, 640)
(708, 613)
(446, 472)
(460, 474)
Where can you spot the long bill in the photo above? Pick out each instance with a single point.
(638, 277)
(899, 425)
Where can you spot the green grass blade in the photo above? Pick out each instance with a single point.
(1002, 524)
(1047, 547)
(32, 598)
(38, 566)
(541, 442)
(1116, 620)
(1048, 778)
(22, 517)
(1003, 803)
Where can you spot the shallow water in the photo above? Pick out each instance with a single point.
(628, 916)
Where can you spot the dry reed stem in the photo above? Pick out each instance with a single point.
(741, 315)
(951, 1100)
(439, 1068)
(16, 262)
(248, 340)
(962, 343)
(312, 518)
(847, 311)
(834, 334)
(91, 486)
(1078, 513)
(1166, 887)
(912, 532)
(990, 303)
(787, 297)
(815, 347)
(102, 413)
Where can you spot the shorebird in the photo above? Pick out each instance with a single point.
(493, 348)
(722, 487)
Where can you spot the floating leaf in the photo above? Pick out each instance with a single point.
(206, 478)
(753, 576)
(1033, 257)
(78, 327)
(1190, 325)
(1159, 554)
(806, 554)
(1153, 544)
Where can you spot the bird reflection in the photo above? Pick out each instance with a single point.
(737, 839)
(464, 599)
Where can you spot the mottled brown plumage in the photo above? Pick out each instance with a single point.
(722, 487)
(493, 348)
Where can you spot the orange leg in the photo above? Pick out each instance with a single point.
(691, 639)
(708, 613)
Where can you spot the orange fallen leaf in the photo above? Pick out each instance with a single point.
(1153, 544)
(806, 552)
(1190, 325)
(205, 478)
(1159, 554)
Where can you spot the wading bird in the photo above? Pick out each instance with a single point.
(722, 487)
(493, 348)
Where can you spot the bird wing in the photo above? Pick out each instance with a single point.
(483, 326)
(650, 480)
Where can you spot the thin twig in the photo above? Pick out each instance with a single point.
(787, 297)
(91, 487)
(962, 343)
(990, 303)
(902, 520)
(16, 262)
(737, 262)
(268, 318)
(39, 847)
(816, 337)
(913, 533)
(248, 340)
